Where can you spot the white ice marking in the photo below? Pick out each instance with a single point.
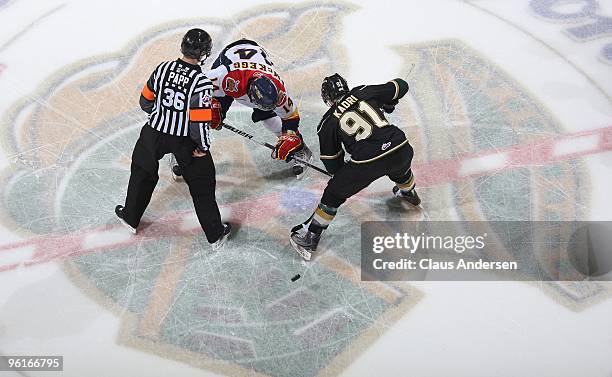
(325, 316)
(483, 163)
(106, 238)
(576, 145)
(226, 212)
(12, 256)
(283, 298)
(190, 222)
(234, 339)
(271, 256)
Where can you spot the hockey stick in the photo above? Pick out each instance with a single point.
(409, 72)
(270, 146)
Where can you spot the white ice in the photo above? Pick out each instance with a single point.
(510, 115)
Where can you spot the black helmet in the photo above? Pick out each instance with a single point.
(263, 93)
(196, 44)
(333, 88)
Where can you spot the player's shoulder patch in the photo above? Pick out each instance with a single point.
(231, 85)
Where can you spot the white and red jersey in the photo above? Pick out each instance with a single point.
(237, 64)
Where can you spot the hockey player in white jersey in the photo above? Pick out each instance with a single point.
(244, 73)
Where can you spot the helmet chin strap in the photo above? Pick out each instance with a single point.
(203, 58)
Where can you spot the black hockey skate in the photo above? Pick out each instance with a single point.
(411, 197)
(227, 229)
(175, 169)
(119, 213)
(305, 243)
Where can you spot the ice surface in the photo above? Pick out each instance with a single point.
(510, 116)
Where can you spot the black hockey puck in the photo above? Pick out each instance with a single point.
(297, 170)
(295, 277)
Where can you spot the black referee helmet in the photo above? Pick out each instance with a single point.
(196, 44)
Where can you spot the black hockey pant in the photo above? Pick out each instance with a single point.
(352, 178)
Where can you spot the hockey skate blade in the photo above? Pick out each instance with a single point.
(401, 204)
(406, 204)
(128, 226)
(305, 254)
(405, 200)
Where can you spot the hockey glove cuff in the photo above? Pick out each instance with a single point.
(216, 122)
(286, 145)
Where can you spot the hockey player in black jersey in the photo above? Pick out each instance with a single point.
(356, 121)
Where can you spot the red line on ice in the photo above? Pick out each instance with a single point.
(536, 153)
(48, 248)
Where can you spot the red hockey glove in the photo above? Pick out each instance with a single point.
(286, 145)
(216, 122)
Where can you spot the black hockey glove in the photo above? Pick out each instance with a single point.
(389, 107)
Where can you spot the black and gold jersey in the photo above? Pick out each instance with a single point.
(358, 123)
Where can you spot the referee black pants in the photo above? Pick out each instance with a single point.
(198, 172)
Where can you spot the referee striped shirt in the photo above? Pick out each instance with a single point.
(168, 92)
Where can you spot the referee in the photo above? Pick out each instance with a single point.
(178, 99)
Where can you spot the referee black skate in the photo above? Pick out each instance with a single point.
(178, 99)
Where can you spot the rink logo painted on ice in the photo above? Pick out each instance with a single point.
(242, 316)
(237, 316)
